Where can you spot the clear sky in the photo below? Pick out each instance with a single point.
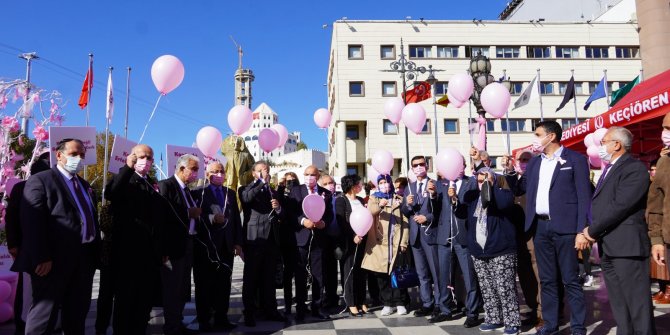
(283, 41)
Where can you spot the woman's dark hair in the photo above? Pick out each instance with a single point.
(349, 181)
(292, 174)
(402, 181)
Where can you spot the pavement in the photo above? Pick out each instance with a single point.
(599, 318)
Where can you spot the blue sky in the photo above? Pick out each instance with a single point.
(283, 41)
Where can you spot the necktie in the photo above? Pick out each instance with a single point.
(420, 193)
(189, 200)
(83, 203)
(219, 196)
(602, 178)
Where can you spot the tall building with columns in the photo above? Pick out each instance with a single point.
(359, 82)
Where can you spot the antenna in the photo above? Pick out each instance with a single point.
(239, 51)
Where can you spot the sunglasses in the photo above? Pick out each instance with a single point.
(418, 164)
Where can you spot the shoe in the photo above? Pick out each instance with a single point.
(539, 323)
(249, 321)
(545, 331)
(511, 331)
(224, 326)
(300, 315)
(436, 312)
(489, 327)
(588, 281)
(440, 318)
(275, 316)
(654, 297)
(387, 310)
(356, 315)
(402, 310)
(471, 321)
(287, 310)
(320, 315)
(205, 327)
(423, 311)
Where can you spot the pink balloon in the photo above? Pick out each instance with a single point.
(361, 221)
(393, 109)
(6, 312)
(382, 161)
(5, 290)
(414, 117)
(208, 140)
(588, 140)
(455, 102)
(598, 135)
(313, 206)
(268, 139)
(596, 162)
(495, 99)
(282, 132)
(411, 176)
(240, 119)
(372, 175)
(167, 73)
(322, 118)
(449, 163)
(461, 86)
(592, 151)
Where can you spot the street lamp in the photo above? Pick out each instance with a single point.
(432, 81)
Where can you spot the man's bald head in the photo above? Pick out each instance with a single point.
(143, 151)
(215, 167)
(312, 170)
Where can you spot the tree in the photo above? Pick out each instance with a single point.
(301, 145)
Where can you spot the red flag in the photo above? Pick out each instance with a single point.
(88, 83)
(420, 92)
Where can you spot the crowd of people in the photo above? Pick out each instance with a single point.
(467, 240)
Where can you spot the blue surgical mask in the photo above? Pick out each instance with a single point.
(73, 164)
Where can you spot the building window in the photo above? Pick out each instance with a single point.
(352, 132)
(516, 87)
(387, 51)
(429, 163)
(473, 51)
(389, 89)
(389, 128)
(254, 138)
(490, 125)
(627, 52)
(421, 51)
(547, 88)
(515, 125)
(538, 52)
(594, 84)
(567, 52)
(564, 86)
(534, 122)
(441, 87)
(597, 52)
(356, 89)
(352, 169)
(426, 127)
(507, 52)
(447, 52)
(567, 123)
(451, 126)
(355, 51)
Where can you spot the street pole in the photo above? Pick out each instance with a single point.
(574, 99)
(106, 160)
(125, 126)
(24, 118)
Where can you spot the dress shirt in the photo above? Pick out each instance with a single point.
(189, 204)
(547, 168)
(68, 181)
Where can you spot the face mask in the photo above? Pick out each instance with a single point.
(330, 187)
(310, 180)
(216, 179)
(665, 137)
(290, 184)
(420, 171)
(604, 155)
(73, 164)
(537, 144)
(142, 166)
(399, 191)
(384, 188)
(520, 167)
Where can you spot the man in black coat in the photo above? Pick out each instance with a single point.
(262, 211)
(60, 242)
(137, 212)
(310, 240)
(619, 226)
(220, 239)
(175, 241)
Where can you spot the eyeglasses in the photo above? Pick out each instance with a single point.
(418, 164)
(603, 142)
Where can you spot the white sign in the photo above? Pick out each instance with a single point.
(174, 152)
(84, 134)
(6, 259)
(120, 151)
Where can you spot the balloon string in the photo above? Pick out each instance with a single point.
(150, 117)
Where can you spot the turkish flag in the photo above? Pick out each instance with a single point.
(88, 84)
(420, 92)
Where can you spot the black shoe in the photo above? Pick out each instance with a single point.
(435, 313)
(300, 315)
(320, 315)
(440, 318)
(356, 315)
(423, 311)
(205, 327)
(224, 326)
(275, 316)
(249, 321)
(287, 310)
(471, 321)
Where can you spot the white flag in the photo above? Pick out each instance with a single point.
(110, 99)
(531, 92)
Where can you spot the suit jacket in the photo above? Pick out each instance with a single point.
(342, 213)
(429, 208)
(658, 203)
(457, 212)
(569, 193)
(173, 231)
(618, 210)
(12, 216)
(287, 226)
(261, 220)
(220, 238)
(303, 235)
(51, 222)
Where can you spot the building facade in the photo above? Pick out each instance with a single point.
(358, 84)
(265, 117)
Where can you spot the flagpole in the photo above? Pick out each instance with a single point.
(470, 120)
(641, 75)
(106, 160)
(509, 145)
(574, 99)
(125, 126)
(88, 83)
(539, 91)
(607, 93)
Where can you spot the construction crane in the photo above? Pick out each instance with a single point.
(239, 51)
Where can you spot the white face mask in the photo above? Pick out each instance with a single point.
(73, 164)
(665, 137)
(537, 144)
(384, 188)
(604, 155)
(142, 166)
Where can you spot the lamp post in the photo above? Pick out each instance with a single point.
(432, 81)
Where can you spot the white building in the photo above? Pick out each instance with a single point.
(265, 117)
(552, 11)
(358, 86)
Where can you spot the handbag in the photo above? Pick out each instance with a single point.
(404, 275)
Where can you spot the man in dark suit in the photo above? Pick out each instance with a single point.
(618, 224)
(175, 242)
(287, 243)
(260, 245)
(558, 194)
(60, 242)
(310, 240)
(420, 205)
(137, 212)
(330, 262)
(452, 239)
(220, 231)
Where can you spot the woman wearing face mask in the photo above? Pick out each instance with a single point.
(352, 253)
(387, 240)
(288, 243)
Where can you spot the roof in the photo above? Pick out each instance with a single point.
(264, 108)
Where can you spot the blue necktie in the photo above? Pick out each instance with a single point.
(219, 196)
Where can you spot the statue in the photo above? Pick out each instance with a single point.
(240, 163)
